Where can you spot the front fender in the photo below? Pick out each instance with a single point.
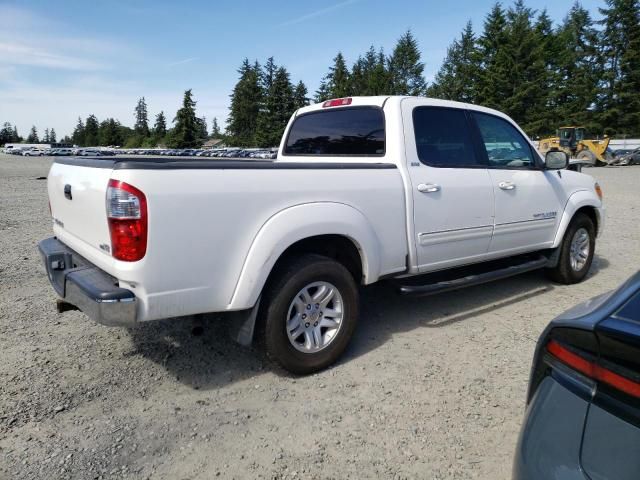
(578, 200)
(297, 223)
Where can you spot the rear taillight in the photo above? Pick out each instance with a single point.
(593, 370)
(337, 102)
(127, 216)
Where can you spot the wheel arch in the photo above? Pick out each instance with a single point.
(336, 230)
(580, 202)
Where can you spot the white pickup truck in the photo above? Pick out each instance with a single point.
(431, 195)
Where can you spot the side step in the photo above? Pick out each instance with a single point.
(473, 279)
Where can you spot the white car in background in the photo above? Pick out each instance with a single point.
(32, 152)
(90, 152)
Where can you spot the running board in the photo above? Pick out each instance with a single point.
(476, 279)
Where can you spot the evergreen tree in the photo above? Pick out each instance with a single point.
(141, 126)
(78, 133)
(458, 76)
(405, 67)
(370, 75)
(6, 133)
(245, 106)
(33, 135)
(337, 82)
(619, 98)
(160, 127)
(110, 133)
(16, 138)
(576, 71)
(494, 67)
(52, 136)
(91, 131)
(524, 91)
(203, 131)
(277, 108)
(268, 73)
(215, 129)
(300, 95)
(186, 132)
(323, 92)
(45, 139)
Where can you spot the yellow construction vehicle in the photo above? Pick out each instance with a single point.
(572, 141)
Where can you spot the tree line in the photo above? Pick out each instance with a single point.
(579, 71)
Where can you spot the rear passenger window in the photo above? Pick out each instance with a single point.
(443, 138)
(505, 145)
(344, 131)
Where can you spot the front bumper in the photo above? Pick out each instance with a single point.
(85, 286)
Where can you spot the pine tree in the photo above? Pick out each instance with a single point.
(203, 130)
(405, 67)
(245, 106)
(276, 110)
(52, 136)
(16, 138)
(91, 131)
(45, 139)
(160, 127)
(33, 135)
(186, 132)
(141, 126)
(494, 66)
(215, 129)
(300, 95)
(524, 94)
(337, 81)
(458, 76)
(110, 133)
(576, 71)
(619, 98)
(78, 133)
(370, 75)
(323, 92)
(6, 134)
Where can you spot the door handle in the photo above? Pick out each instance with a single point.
(428, 188)
(507, 185)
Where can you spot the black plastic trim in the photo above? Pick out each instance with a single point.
(188, 164)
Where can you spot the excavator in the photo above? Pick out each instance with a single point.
(572, 141)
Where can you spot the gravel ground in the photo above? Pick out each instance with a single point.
(429, 388)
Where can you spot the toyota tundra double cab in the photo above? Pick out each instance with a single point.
(429, 195)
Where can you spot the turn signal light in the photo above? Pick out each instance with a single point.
(599, 191)
(127, 217)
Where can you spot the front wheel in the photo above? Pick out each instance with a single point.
(576, 251)
(309, 313)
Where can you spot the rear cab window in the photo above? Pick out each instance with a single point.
(352, 131)
(443, 138)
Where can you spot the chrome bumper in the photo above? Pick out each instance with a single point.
(85, 286)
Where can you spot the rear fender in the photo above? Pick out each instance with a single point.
(297, 223)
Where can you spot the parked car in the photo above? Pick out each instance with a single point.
(630, 158)
(59, 152)
(90, 152)
(32, 152)
(363, 189)
(583, 414)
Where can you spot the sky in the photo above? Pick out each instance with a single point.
(64, 59)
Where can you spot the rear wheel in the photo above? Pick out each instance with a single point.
(309, 313)
(576, 251)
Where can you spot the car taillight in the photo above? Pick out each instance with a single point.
(337, 102)
(127, 216)
(593, 370)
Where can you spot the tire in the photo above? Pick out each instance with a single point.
(567, 271)
(587, 156)
(316, 347)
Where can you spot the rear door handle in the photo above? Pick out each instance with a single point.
(507, 185)
(428, 188)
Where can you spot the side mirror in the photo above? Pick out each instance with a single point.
(556, 160)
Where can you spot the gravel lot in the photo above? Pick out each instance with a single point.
(430, 388)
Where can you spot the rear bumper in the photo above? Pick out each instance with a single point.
(85, 286)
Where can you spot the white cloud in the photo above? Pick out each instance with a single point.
(317, 13)
(20, 54)
(181, 62)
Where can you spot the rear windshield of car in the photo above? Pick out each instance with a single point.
(356, 131)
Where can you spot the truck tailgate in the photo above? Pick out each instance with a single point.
(77, 197)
